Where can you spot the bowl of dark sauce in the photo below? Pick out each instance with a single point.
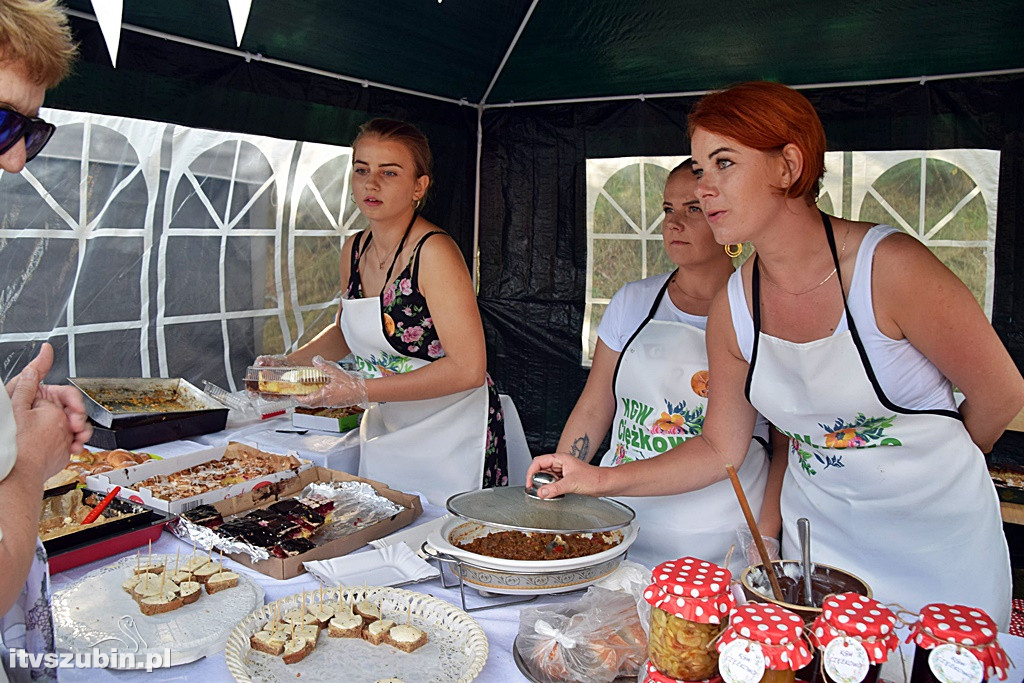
(825, 580)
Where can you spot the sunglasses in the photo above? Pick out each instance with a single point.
(14, 126)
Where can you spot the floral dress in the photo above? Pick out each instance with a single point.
(410, 330)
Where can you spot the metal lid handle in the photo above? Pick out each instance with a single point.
(538, 480)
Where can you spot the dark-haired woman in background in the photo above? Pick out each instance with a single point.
(409, 316)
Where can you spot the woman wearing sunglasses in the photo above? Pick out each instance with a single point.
(40, 425)
(848, 337)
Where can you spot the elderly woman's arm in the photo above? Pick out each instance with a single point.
(44, 438)
(918, 298)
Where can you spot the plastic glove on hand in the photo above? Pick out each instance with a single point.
(344, 388)
(277, 360)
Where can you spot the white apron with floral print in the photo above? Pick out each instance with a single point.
(434, 446)
(661, 386)
(899, 497)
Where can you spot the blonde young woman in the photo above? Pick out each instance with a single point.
(408, 314)
(649, 383)
(848, 337)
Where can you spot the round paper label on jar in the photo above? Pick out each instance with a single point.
(846, 660)
(950, 666)
(741, 661)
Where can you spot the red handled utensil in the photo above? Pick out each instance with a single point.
(98, 510)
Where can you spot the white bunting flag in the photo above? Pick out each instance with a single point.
(239, 17)
(108, 14)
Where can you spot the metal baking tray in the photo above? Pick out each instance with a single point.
(115, 402)
(138, 525)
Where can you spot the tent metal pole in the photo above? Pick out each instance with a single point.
(480, 141)
(476, 199)
(808, 86)
(251, 57)
(508, 52)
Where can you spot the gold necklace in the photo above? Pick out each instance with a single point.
(685, 293)
(380, 263)
(811, 289)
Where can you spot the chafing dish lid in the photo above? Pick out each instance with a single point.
(511, 507)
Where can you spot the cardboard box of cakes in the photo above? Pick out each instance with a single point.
(187, 481)
(269, 499)
(327, 419)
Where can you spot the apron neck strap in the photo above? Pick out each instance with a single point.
(398, 250)
(650, 316)
(755, 299)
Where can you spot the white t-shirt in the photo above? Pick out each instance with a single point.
(905, 375)
(629, 308)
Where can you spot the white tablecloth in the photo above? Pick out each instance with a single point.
(500, 624)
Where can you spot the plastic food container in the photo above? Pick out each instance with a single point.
(853, 636)
(956, 643)
(327, 419)
(276, 382)
(763, 643)
(690, 601)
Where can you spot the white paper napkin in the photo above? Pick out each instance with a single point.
(390, 566)
(412, 536)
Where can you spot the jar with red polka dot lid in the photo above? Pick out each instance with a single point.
(650, 674)
(854, 636)
(690, 602)
(956, 644)
(763, 642)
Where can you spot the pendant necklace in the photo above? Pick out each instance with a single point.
(380, 263)
(685, 293)
(810, 289)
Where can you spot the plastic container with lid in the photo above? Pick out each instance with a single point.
(764, 642)
(690, 601)
(277, 382)
(956, 644)
(854, 636)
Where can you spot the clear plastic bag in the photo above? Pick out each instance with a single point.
(592, 641)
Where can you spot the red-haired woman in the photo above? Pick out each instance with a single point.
(409, 316)
(848, 337)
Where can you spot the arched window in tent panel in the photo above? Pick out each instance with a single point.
(77, 233)
(322, 217)
(624, 216)
(222, 229)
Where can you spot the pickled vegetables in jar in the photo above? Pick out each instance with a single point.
(680, 648)
(690, 600)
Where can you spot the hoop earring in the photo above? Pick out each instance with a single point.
(416, 203)
(733, 250)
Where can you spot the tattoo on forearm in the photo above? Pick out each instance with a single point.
(580, 448)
